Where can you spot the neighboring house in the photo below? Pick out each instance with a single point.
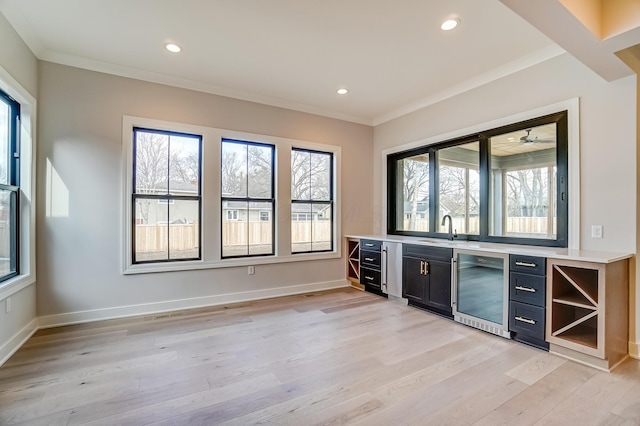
(238, 211)
(422, 209)
(155, 211)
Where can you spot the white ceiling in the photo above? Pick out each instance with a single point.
(391, 55)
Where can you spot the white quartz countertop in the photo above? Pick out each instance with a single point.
(550, 252)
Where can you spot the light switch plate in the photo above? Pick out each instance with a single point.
(251, 270)
(8, 305)
(596, 231)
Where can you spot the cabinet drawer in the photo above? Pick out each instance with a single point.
(427, 252)
(526, 319)
(527, 288)
(371, 245)
(370, 277)
(371, 258)
(527, 264)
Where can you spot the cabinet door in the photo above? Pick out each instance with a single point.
(413, 282)
(439, 287)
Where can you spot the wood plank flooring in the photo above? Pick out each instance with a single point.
(337, 357)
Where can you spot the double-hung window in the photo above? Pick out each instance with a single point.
(311, 201)
(248, 198)
(9, 189)
(166, 199)
(199, 197)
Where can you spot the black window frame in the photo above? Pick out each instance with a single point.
(167, 196)
(248, 199)
(562, 187)
(13, 184)
(331, 201)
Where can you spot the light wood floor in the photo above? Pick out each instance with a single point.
(339, 357)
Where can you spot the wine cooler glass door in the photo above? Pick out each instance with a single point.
(481, 290)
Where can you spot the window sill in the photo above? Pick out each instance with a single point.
(225, 263)
(14, 285)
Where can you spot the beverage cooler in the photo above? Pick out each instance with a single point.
(480, 293)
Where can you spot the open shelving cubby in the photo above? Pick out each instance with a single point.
(587, 312)
(353, 261)
(575, 305)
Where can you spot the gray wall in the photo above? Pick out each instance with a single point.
(17, 59)
(19, 63)
(80, 133)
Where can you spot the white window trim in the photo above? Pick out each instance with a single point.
(211, 198)
(27, 212)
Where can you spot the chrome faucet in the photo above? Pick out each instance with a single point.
(452, 234)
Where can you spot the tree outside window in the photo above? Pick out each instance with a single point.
(166, 197)
(311, 201)
(248, 200)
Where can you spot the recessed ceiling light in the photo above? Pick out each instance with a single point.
(174, 48)
(450, 24)
(342, 91)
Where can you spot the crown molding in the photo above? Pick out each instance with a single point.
(153, 77)
(512, 67)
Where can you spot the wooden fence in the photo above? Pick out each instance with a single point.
(5, 238)
(515, 225)
(529, 225)
(153, 238)
(238, 233)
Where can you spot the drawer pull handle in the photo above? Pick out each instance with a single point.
(527, 264)
(368, 278)
(528, 321)
(529, 289)
(369, 259)
(368, 245)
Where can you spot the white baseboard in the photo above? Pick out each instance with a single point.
(634, 350)
(18, 339)
(176, 305)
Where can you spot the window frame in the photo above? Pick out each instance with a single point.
(164, 197)
(563, 188)
(434, 170)
(211, 193)
(27, 203)
(321, 202)
(13, 184)
(249, 199)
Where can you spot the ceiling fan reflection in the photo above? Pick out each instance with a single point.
(528, 139)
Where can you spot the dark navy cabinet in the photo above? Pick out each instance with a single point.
(527, 288)
(371, 266)
(426, 277)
